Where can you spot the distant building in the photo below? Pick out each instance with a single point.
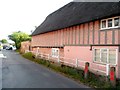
(25, 46)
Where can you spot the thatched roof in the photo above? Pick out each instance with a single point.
(75, 13)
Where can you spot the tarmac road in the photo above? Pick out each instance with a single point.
(18, 72)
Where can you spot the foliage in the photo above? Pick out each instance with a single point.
(3, 41)
(28, 55)
(18, 50)
(19, 37)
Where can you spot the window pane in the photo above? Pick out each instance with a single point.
(55, 52)
(97, 55)
(104, 58)
(112, 56)
(116, 21)
(110, 23)
(103, 24)
(104, 55)
(97, 52)
(97, 59)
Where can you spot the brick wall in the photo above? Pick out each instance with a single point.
(25, 46)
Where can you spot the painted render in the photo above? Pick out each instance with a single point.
(84, 34)
(75, 43)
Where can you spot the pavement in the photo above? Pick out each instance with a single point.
(18, 72)
(1, 71)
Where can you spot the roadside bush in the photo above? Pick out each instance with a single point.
(29, 56)
(17, 50)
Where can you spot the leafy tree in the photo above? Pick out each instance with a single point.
(3, 41)
(19, 37)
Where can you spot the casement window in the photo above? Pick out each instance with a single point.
(55, 52)
(110, 23)
(116, 22)
(105, 56)
(103, 24)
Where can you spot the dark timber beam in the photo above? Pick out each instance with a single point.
(105, 45)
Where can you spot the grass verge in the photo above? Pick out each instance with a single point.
(95, 81)
(17, 50)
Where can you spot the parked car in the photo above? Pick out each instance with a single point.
(11, 48)
(4, 47)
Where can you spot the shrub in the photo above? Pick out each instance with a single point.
(17, 50)
(29, 56)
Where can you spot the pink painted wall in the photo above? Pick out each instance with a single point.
(96, 32)
(74, 38)
(118, 69)
(48, 51)
(76, 35)
(84, 54)
(119, 55)
(90, 30)
(86, 33)
(102, 38)
(109, 40)
(117, 37)
(79, 52)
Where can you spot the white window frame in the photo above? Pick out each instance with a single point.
(101, 24)
(116, 61)
(55, 49)
(112, 22)
(113, 25)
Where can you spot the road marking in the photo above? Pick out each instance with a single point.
(2, 56)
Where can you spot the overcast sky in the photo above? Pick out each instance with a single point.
(23, 15)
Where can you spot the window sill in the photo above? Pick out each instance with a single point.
(104, 63)
(99, 63)
(55, 56)
(110, 28)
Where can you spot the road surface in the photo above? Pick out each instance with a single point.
(18, 72)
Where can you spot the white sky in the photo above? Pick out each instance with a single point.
(23, 15)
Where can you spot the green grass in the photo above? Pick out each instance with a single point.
(95, 81)
(17, 50)
(28, 56)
